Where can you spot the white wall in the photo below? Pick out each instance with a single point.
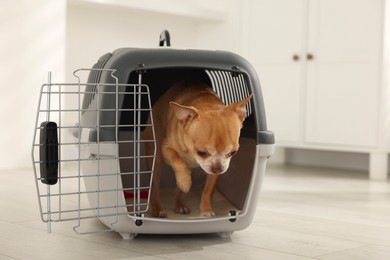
(32, 43)
(93, 30)
(61, 36)
(226, 35)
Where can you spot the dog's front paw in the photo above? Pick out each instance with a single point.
(207, 214)
(183, 210)
(159, 214)
(184, 182)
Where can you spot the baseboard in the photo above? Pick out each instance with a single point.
(320, 158)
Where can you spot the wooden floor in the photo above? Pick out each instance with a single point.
(303, 213)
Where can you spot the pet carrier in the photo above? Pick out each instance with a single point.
(88, 150)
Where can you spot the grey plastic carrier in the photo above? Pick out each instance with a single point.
(88, 150)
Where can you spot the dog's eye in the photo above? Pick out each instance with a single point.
(231, 153)
(203, 154)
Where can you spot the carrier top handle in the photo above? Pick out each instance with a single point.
(165, 37)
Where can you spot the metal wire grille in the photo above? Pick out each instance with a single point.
(84, 180)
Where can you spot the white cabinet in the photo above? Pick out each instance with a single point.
(319, 62)
(344, 37)
(274, 43)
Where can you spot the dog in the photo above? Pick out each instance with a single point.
(193, 128)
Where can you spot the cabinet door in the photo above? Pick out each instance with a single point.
(343, 76)
(275, 32)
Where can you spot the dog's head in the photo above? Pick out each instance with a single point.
(212, 136)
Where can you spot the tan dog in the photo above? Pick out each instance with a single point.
(193, 128)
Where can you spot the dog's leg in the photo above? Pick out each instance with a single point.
(182, 173)
(180, 207)
(154, 195)
(183, 177)
(206, 209)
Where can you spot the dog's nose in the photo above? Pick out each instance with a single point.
(216, 168)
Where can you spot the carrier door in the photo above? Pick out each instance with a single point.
(76, 153)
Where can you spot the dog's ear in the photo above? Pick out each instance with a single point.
(183, 113)
(240, 107)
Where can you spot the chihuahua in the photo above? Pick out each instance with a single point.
(193, 128)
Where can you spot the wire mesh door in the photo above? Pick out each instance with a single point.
(83, 134)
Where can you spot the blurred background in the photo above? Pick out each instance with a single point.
(322, 65)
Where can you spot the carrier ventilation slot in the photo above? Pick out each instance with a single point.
(230, 88)
(94, 77)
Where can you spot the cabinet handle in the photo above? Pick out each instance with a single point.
(295, 57)
(310, 56)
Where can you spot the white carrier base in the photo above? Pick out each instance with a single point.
(128, 225)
